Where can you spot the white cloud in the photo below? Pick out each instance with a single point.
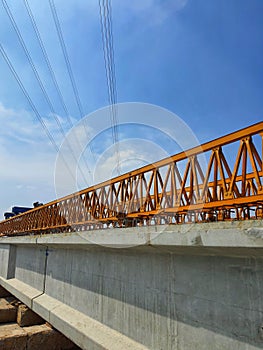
(23, 126)
(133, 154)
(27, 159)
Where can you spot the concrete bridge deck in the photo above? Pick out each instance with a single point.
(193, 286)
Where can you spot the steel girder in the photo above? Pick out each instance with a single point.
(174, 190)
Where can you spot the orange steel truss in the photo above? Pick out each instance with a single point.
(178, 189)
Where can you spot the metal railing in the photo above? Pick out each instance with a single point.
(178, 189)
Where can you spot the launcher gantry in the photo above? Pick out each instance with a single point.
(175, 190)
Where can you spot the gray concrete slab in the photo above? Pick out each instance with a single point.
(83, 330)
(31, 271)
(183, 287)
(206, 237)
(8, 260)
(22, 291)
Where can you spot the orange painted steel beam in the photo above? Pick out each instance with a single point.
(177, 189)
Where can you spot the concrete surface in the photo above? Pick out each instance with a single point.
(8, 260)
(171, 288)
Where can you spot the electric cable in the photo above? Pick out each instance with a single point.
(36, 74)
(53, 76)
(108, 53)
(68, 65)
(25, 93)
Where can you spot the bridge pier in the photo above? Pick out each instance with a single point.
(196, 286)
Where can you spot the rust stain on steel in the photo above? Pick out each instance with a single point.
(176, 189)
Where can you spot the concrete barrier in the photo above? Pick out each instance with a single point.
(178, 287)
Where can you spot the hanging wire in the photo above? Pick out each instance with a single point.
(39, 118)
(68, 65)
(108, 53)
(36, 74)
(47, 60)
(53, 76)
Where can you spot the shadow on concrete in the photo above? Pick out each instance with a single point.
(222, 295)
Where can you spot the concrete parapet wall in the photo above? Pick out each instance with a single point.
(184, 287)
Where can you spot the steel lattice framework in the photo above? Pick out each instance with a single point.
(179, 189)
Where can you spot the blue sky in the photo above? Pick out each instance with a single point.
(200, 59)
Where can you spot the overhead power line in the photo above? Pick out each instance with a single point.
(69, 69)
(32, 65)
(34, 108)
(40, 83)
(108, 52)
(37, 76)
(53, 76)
(47, 60)
(66, 57)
